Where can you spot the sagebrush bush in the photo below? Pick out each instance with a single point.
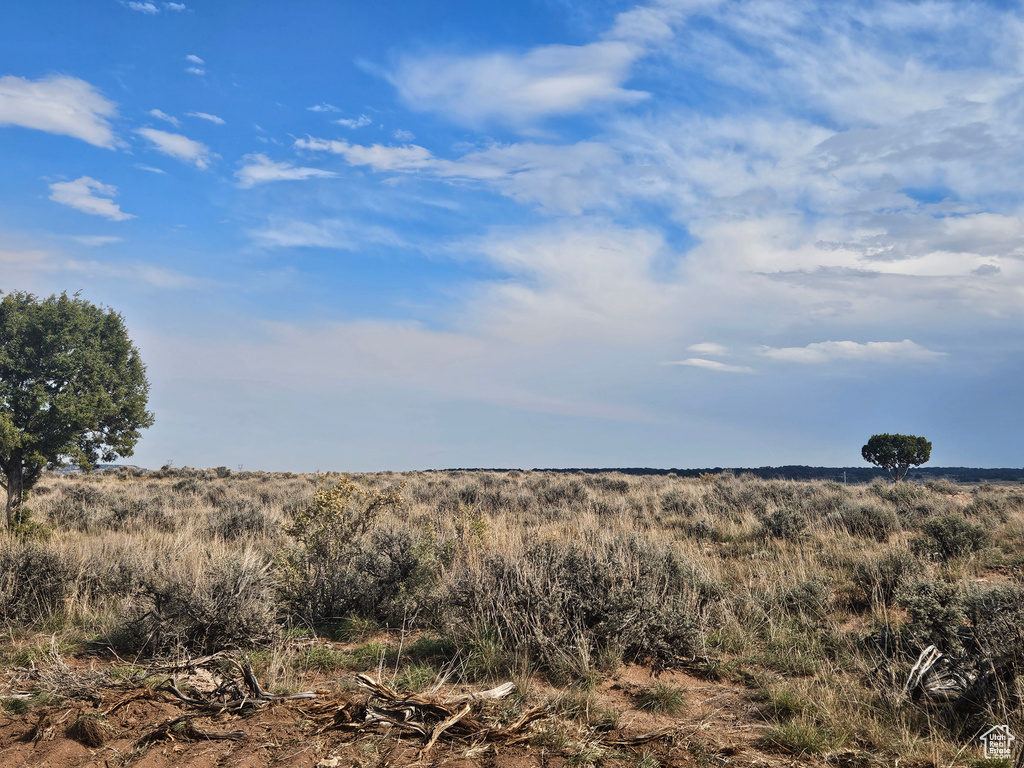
(936, 612)
(344, 563)
(785, 523)
(35, 581)
(877, 579)
(229, 605)
(625, 599)
(949, 537)
(868, 520)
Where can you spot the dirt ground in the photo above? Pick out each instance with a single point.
(125, 724)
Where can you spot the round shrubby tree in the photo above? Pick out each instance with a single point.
(896, 453)
(72, 389)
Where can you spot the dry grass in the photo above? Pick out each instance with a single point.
(817, 594)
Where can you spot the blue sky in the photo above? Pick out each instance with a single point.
(548, 233)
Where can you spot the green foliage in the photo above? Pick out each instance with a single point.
(72, 388)
(950, 537)
(936, 611)
(896, 453)
(343, 563)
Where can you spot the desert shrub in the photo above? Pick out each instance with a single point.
(997, 615)
(900, 494)
(35, 581)
(808, 598)
(993, 506)
(678, 503)
(240, 518)
(949, 537)
(625, 599)
(228, 605)
(943, 486)
(190, 485)
(936, 614)
(877, 580)
(570, 493)
(344, 562)
(701, 530)
(783, 523)
(868, 521)
(613, 485)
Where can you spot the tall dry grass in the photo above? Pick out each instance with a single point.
(816, 594)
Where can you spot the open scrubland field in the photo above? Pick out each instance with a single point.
(172, 617)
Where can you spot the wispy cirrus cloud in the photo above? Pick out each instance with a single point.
(323, 107)
(88, 195)
(159, 114)
(179, 147)
(336, 233)
(96, 241)
(207, 116)
(709, 348)
(872, 351)
(519, 89)
(61, 105)
(196, 65)
(357, 122)
(564, 178)
(711, 365)
(149, 9)
(260, 169)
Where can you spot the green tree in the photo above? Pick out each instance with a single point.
(896, 453)
(72, 389)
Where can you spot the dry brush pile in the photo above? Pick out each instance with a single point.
(819, 596)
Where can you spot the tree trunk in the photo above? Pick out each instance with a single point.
(15, 496)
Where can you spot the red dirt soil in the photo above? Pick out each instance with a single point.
(719, 726)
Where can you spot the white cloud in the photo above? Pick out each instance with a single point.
(358, 122)
(207, 116)
(179, 147)
(708, 348)
(323, 107)
(150, 168)
(566, 179)
(147, 8)
(59, 104)
(711, 365)
(877, 351)
(340, 234)
(379, 157)
(96, 240)
(519, 89)
(161, 115)
(198, 65)
(261, 169)
(89, 196)
(402, 135)
(174, 6)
